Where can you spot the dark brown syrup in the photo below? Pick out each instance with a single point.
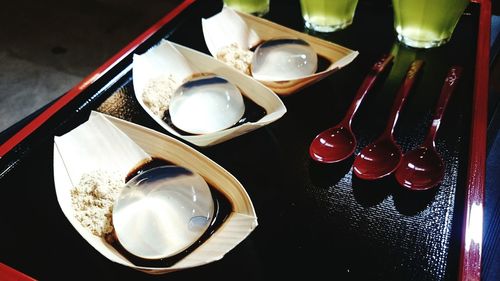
(222, 209)
(323, 63)
(147, 165)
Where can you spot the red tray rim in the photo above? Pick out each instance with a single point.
(472, 232)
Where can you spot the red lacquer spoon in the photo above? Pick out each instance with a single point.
(423, 168)
(338, 143)
(382, 157)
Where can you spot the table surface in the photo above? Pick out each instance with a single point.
(305, 211)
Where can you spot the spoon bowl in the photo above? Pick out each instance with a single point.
(420, 169)
(383, 156)
(378, 159)
(423, 168)
(333, 145)
(339, 142)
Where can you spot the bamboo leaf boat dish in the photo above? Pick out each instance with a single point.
(198, 98)
(158, 229)
(281, 58)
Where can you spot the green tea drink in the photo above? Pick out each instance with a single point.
(426, 23)
(328, 15)
(256, 7)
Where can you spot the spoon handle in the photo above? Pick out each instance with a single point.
(367, 84)
(449, 85)
(403, 92)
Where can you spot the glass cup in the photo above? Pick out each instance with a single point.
(426, 23)
(255, 7)
(328, 15)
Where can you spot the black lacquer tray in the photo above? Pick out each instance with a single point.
(315, 220)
